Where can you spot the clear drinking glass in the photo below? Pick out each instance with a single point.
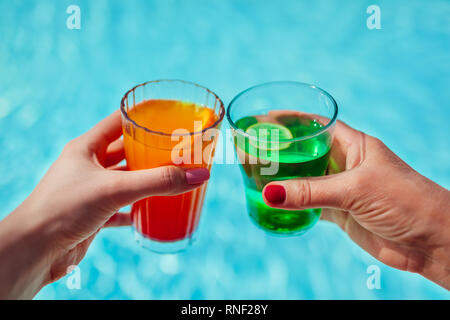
(281, 130)
(168, 223)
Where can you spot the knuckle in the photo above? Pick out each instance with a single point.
(80, 144)
(168, 177)
(376, 142)
(71, 145)
(344, 125)
(303, 193)
(341, 123)
(75, 145)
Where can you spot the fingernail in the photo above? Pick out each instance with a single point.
(197, 175)
(275, 194)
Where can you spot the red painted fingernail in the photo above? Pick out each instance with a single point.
(275, 194)
(197, 175)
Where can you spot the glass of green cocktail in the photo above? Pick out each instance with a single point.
(281, 130)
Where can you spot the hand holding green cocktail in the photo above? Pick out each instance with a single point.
(282, 130)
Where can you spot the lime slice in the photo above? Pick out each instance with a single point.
(267, 133)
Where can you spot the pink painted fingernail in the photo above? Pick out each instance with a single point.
(197, 175)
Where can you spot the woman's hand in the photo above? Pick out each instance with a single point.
(391, 211)
(81, 192)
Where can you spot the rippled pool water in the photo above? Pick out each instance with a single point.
(56, 83)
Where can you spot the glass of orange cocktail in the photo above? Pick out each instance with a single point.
(169, 122)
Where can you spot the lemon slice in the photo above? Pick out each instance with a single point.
(266, 134)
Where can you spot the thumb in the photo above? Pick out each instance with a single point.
(128, 187)
(311, 192)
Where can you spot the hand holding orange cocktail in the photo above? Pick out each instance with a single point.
(169, 122)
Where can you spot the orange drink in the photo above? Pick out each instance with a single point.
(172, 123)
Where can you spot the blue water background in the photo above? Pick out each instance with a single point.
(393, 83)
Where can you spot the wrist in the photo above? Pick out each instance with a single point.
(437, 268)
(25, 246)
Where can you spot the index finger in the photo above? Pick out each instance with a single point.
(107, 130)
(343, 133)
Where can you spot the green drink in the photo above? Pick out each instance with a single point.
(278, 144)
(294, 160)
